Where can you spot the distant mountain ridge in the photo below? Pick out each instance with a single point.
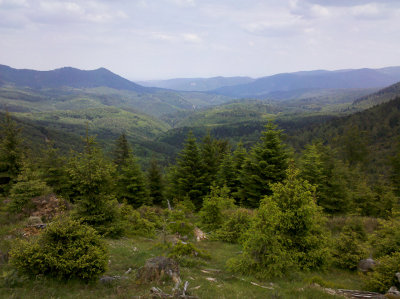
(66, 77)
(197, 84)
(382, 96)
(320, 79)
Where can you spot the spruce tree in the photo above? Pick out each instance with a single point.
(155, 184)
(287, 233)
(10, 153)
(91, 176)
(187, 176)
(130, 182)
(264, 165)
(320, 167)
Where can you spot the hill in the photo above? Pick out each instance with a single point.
(379, 97)
(197, 84)
(341, 79)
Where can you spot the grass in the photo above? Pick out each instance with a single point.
(132, 253)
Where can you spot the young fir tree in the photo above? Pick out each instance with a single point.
(155, 184)
(10, 153)
(395, 171)
(28, 185)
(264, 165)
(320, 167)
(187, 176)
(287, 233)
(130, 184)
(91, 176)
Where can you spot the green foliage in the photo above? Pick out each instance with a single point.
(187, 177)
(234, 226)
(386, 239)
(10, 153)
(65, 250)
(91, 178)
(350, 246)
(320, 167)
(28, 185)
(266, 164)
(211, 214)
(287, 232)
(395, 171)
(155, 184)
(122, 151)
(135, 224)
(383, 277)
(152, 214)
(187, 249)
(178, 222)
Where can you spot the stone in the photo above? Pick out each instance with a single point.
(366, 265)
(108, 279)
(398, 276)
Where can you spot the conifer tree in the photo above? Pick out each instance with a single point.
(287, 233)
(264, 165)
(187, 176)
(130, 183)
(320, 167)
(155, 184)
(91, 177)
(10, 153)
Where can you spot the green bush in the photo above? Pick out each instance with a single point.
(213, 205)
(178, 223)
(152, 214)
(187, 255)
(65, 250)
(383, 276)
(386, 239)
(348, 250)
(236, 224)
(135, 224)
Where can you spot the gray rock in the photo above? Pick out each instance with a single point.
(156, 268)
(398, 276)
(366, 265)
(393, 291)
(108, 279)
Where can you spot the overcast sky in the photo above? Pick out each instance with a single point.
(158, 39)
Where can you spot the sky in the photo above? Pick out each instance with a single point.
(160, 39)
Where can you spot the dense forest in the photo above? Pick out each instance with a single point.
(270, 193)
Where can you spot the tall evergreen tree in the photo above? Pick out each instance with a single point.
(264, 165)
(320, 167)
(155, 184)
(91, 177)
(130, 183)
(10, 153)
(187, 176)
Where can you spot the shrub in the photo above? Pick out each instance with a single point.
(152, 214)
(187, 254)
(213, 206)
(236, 224)
(135, 224)
(383, 276)
(65, 250)
(178, 223)
(348, 250)
(386, 239)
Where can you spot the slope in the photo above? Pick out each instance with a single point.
(379, 97)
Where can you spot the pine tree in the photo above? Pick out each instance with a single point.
(10, 153)
(155, 184)
(187, 176)
(122, 151)
(264, 165)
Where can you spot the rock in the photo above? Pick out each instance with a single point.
(157, 268)
(366, 265)
(393, 293)
(398, 276)
(108, 279)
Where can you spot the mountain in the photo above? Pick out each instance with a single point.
(197, 84)
(320, 79)
(66, 77)
(69, 88)
(379, 97)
